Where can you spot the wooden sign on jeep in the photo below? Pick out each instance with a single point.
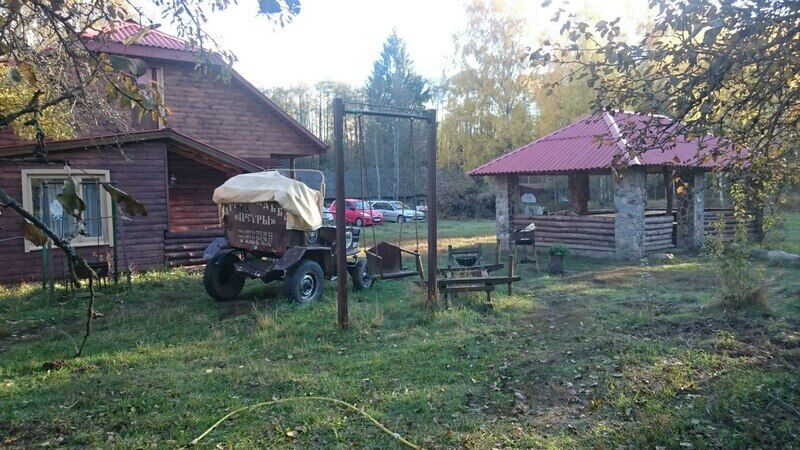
(257, 227)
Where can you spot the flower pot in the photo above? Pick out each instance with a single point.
(555, 265)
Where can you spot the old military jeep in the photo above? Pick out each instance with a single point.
(273, 231)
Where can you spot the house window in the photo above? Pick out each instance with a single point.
(144, 121)
(40, 190)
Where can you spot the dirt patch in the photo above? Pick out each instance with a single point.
(235, 309)
(56, 364)
(36, 434)
(762, 342)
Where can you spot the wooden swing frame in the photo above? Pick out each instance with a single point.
(340, 110)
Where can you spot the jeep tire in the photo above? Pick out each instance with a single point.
(303, 283)
(220, 278)
(361, 279)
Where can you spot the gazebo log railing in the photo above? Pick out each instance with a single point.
(594, 234)
(589, 235)
(711, 217)
(659, 232)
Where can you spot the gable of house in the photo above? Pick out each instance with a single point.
(230, 115)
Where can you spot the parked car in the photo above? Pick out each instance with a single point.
(396, 211)
(358, 213)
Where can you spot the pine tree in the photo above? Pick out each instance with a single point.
(393, 82)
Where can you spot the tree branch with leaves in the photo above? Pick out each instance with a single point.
(716, 67)
(58, 81)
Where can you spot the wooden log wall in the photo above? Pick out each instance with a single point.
(190, 192)
(186, 248)
(587, 235)
(659, 232)
(712, 216)
(141, 171)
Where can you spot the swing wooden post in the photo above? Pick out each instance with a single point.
(341, 235)
(511, 274)
(432, 206)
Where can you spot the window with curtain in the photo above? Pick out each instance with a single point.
(41, 189)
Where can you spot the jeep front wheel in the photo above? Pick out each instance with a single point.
(361, 279)
(304, 282)
(220, 278)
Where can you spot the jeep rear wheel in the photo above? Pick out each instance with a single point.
(304, 282)
(220, 278)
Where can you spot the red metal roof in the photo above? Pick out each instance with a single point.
(596, 142)
(120, 32)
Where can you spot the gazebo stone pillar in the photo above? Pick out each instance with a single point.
(506, 200)
(691, 210)
(630, 197)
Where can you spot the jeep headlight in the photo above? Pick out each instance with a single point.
(348, 240)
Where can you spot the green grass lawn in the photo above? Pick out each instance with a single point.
(786, 236)
(608, 356)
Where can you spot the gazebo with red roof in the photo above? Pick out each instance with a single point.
(597, 144)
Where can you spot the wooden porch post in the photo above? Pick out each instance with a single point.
(578, 184)
(669, 189)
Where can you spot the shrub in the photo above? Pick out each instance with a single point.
(460, 196)
(559, 250)
(740, 280)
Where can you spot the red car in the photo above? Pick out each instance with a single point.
(357, 213)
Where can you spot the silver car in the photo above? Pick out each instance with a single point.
(396, 211)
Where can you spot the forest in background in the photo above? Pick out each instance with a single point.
(491, 102)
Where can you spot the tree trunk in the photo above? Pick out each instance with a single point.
(396, 162)
(377, 162)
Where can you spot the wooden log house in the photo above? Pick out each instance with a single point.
(217, 129)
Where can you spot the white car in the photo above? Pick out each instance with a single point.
(396, 211)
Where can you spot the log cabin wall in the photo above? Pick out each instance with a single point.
(227, 116)
(140, 240)
(223, 114)
(193, 216)
(191, 187)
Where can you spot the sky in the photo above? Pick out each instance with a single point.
(339, 39)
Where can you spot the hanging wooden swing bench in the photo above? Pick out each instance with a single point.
(385, 262)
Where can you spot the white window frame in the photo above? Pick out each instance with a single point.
(28, 175)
